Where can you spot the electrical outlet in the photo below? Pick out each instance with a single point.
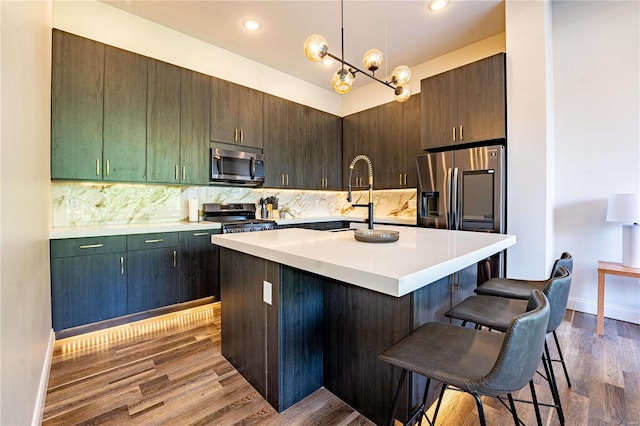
(266, 292)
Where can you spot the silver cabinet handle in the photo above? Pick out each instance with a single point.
(235, 135)
(453, 134)
(405, 179)
(88, 246)
(107, 167)
(282, 179)
(241, 135)
(200, 234)
(154, 241)
(184, 172)
(97, 167)
(287, 179)
(461, 132)
(176, 172)
(121, 265)
(174, 258)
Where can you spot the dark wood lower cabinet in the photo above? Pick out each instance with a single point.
(321, 332)
(152, 279)
(199, 266)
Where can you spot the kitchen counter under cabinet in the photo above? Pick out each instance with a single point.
(326, 305)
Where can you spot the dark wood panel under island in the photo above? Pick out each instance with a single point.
(305, 309)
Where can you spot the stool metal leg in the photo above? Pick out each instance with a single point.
(435, 414)
(546, 360)
(394, 406)
(535, 402)
(483, 422)
(514, 413)
(564, 365)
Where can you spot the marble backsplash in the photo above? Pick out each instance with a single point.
(97, 204)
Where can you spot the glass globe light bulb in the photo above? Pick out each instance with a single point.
(342, 81)
(315, 47)
(402, 93)
(401, 75)
(372, 59)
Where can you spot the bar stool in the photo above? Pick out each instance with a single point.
(519, 289)
(478, 362)
(496, 313)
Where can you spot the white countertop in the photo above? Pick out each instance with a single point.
(420, 257)
(145, 228)
(140, 228)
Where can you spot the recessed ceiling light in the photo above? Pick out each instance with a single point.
(252, 24)
(436, 5)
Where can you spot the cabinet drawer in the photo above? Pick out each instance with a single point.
(72, 247)
(150, 241)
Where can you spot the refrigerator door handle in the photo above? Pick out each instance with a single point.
(448, 200)
(455, 204)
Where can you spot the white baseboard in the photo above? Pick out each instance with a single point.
(44, 382)
(621, 313)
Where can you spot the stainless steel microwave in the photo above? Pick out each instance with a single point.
(236, 168)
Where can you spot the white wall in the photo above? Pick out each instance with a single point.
(529, 183)
(596, 48)
(25, 313)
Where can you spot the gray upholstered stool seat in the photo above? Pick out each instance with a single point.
(479, 362)
(489, 311)
(521, 289)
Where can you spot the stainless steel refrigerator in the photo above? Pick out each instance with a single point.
(465, 190)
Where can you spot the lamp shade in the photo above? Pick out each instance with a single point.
(623, 208)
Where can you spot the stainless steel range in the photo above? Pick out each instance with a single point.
(236, 217)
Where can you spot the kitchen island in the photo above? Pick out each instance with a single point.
(304, 309)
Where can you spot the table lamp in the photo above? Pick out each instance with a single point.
(626, 208)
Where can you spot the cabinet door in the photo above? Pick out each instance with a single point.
(482, 100)
(194, 128)
(250, 119)
(359, 136)
(236, 114)
(199, 266)
(76, 107)
(152, 278)
(439, 110)
(163, 122)
(87, 289)
(412, 138)
(282, 123)
(331, 144)
(390, 147)
(125, 104)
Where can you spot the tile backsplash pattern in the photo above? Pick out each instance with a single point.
(98, 204)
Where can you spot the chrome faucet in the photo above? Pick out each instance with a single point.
(370, 171)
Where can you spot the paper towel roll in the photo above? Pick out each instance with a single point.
(193, 210)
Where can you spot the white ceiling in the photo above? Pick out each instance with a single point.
(405, 31)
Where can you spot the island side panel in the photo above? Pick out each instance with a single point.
(359, 324)
(243, 315)
(301, 335)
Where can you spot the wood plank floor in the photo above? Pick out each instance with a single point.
(169, 370)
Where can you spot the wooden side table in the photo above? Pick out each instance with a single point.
(611, 268)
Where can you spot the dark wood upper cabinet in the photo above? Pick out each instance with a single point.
(194, 128)
(359, 134)
(465, 105)
(302, 146)
(236, 114)
(125, 115)
(77, 80)
(388, 134)
(163, 122)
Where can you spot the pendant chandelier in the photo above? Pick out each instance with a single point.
(316, 48)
